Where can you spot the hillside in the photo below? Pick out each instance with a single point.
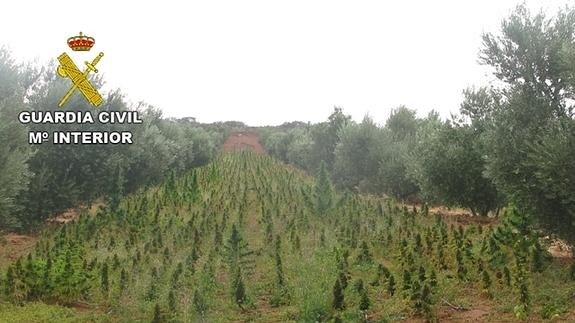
(247, 239)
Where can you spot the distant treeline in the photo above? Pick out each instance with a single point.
(511, 143)
(41, 180)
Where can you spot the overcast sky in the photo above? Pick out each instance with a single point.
(267, 62)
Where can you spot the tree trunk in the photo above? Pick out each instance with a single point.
(473, 211)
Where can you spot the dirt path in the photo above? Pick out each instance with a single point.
(243, 140)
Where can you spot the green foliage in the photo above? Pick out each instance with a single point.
(158, 317)
(200, 305)
(163, 248)
(531, 138)
(9, 282)
(521, 279)
(551, 156)
(293, 145)
(281, 294)
(14, 150)
(40, 312)
(172, 302)
(360, 157)
(364, 255)
(237, 253)
(325, 137)
(449, 168)
(152, 293)
(391, 285)
(507, 276)
(539, 257)
(37, 185)
(338, 296)
(399, 136)
(552, 310)
(117, 189)
(512, 143)
(238, 289)
(406, 283)
(104, 283)
(529, 51)
(123, 283)
(357, 156)
(166, 226)
(342, 277)
(364, 302)
(323, 191)
(425, 302)
(486, 283)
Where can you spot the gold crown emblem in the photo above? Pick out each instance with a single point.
(81, 42)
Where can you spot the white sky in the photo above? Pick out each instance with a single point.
(267, 62)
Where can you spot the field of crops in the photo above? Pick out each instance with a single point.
(247, 238)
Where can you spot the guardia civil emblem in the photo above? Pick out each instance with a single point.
(80, 82)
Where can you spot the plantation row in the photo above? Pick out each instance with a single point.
(248, 238)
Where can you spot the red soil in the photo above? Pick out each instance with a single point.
(13, 246)
(243, 140)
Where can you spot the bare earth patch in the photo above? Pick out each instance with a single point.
(472, 315)
(13, 246)
(73, 213)
(243, 140)
(560, 249)
(65, 217)
(458, 216)
(461, 216)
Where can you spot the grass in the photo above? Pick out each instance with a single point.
(36, 312)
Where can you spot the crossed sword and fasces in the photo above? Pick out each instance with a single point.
(79, 79)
